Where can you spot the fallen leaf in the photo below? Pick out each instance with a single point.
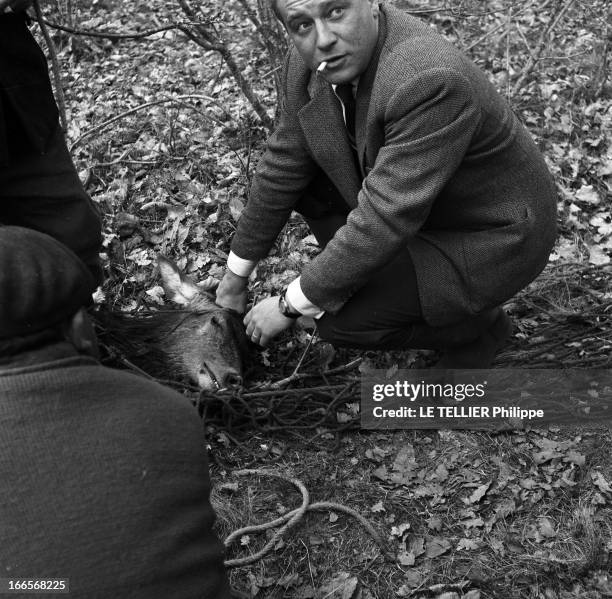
(472, 523)
(228, 487)
(342, 586)
(575, 458)
(413, 578)
(468, 544)
(437, 546)
(588, 194)
(479, 493)
(441, 473)
(377, 507)
(381, 473)
(434, 523)
(597, 256)
(398, 531)
(417, 546)
(600, 482)
(315, 540)
(546, 528)
(406, 558)
(541, 457)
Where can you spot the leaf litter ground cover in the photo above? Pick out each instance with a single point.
(466, 515)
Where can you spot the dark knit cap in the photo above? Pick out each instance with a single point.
(42, 282)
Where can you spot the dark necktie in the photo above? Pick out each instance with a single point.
(345, 93)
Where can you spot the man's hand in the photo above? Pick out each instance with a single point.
(232, 292)
(264, 321)
(15, 5)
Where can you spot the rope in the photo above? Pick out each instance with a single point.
(291, 519)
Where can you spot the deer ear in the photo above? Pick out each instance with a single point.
(178, 286)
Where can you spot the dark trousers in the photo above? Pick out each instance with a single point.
(39, 186)
(382, 313)
(386, 312)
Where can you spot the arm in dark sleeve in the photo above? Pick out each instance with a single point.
(429, 123)
(282, 175)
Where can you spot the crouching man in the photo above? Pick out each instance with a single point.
(430, 201)
(103, 475)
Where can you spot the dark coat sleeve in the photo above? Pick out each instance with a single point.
(429, 122)
(282, 175)
(28, 113)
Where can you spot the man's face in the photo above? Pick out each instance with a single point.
(342, 33)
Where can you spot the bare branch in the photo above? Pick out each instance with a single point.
(560, 10)
(109, 35)
(211, 41)
(118, 117)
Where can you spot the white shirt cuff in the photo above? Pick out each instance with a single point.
(240, 266)
(297, 299)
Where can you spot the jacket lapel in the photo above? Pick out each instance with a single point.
(323, 126)
(364, 91)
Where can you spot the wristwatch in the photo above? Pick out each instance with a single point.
(285, 308)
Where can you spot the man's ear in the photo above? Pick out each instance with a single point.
(80, 332)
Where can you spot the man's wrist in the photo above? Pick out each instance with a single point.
(240, 266)
(300, 302)
(285, 307)
(230, 274)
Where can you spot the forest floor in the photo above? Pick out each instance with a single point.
(166, 144)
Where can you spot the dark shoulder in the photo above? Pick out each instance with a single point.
(296, 80)
(123, 390)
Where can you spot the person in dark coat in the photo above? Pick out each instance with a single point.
(430, 200)
(103, 475)
(39, 186)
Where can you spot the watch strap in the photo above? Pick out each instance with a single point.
(285, 308)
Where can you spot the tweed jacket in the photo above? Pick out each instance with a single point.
(447, 171)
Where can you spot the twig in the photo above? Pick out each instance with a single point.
(294, 375)
(307, 375)
(136, 109)
(109, 35)
(55, 67)
(210, 41)
(306, 390)
(533, 60)
(492, 31)
(603, 71)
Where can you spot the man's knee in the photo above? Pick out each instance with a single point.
(342, 333)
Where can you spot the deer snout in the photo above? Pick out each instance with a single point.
(232, 380)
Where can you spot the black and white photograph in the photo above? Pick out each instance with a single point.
(306, 299)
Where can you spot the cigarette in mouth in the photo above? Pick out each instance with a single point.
(322, 66)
